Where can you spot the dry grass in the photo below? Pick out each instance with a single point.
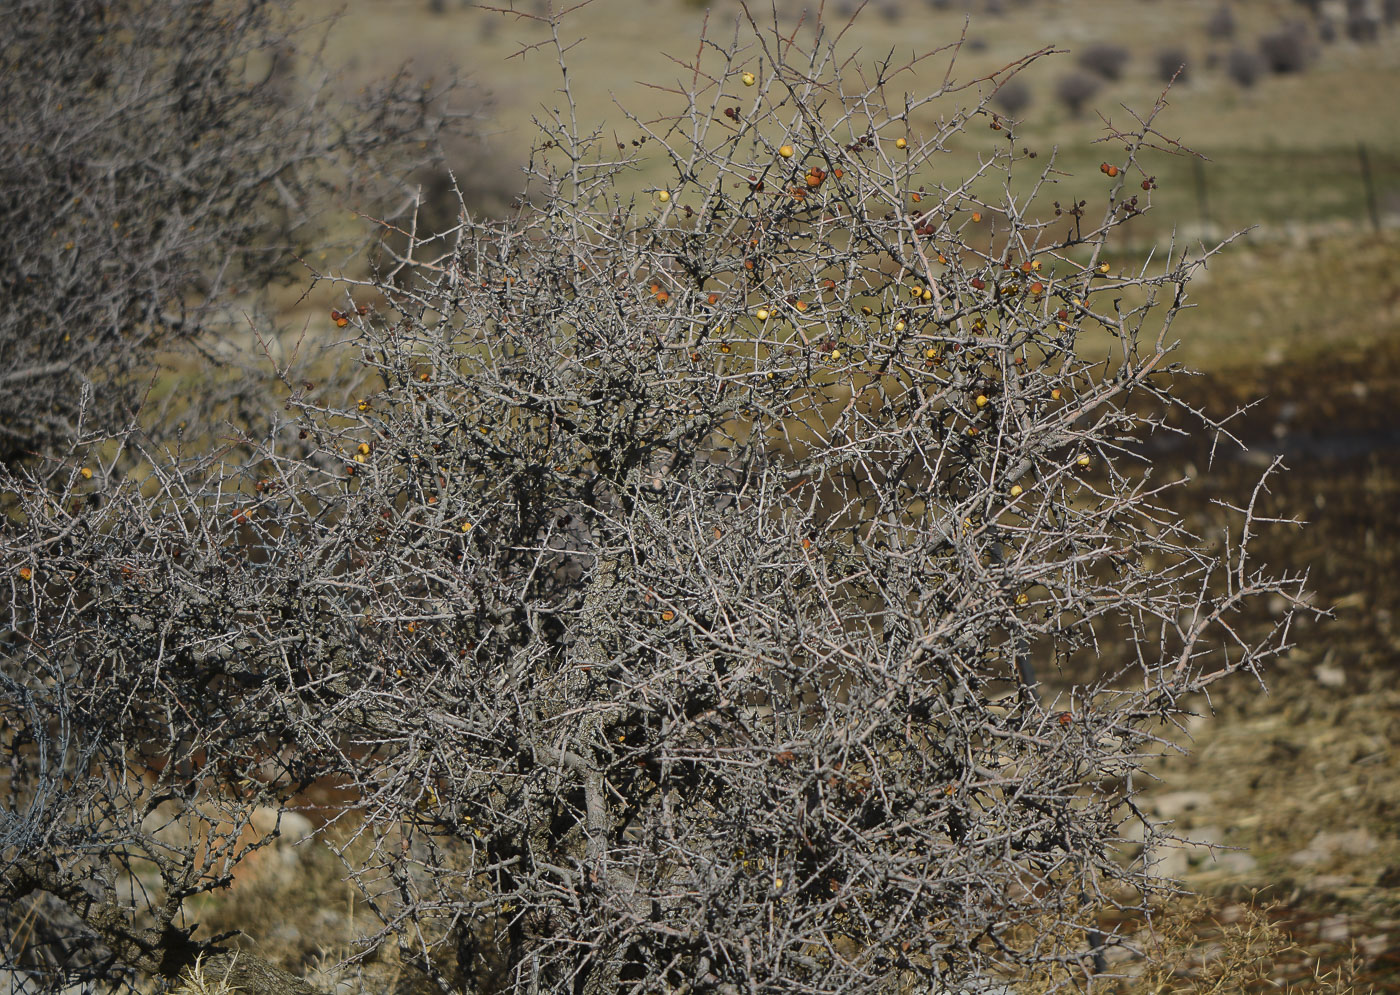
(1278, 301)
(202, 982)
(1197, 948)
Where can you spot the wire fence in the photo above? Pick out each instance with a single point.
(1275, 189)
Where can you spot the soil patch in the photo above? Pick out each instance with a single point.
(1306, 777)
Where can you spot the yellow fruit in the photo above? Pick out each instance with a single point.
(1103, 267)
(899, 326)
(900, 143)
(749, 79)
(761, 314)
(835, 355)
(86, 473)
(981, 400)
(927, 295)
(1083, 461)
(664, 196)
(785, 151)
(466, 526)
(1055, 394)
(1016, 490)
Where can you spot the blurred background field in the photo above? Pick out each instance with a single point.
(1283, 146)
(1305, 156)
(1291, 107)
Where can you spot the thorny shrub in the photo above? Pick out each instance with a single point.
(1014, 97)
(687, 593)
(1243, 66)
(1173, 64)
(1286, 49)
(1075, 89)
(1104, 59)
(1221, 23)
(1363, 28)
(159, 167)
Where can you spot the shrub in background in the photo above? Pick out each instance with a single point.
(1286, 49)
(155, 167)
(1074, 89)
(1221, 24)
(1363, 28)
(1244, 66)
(1013, 97)
(1104, 59)
(1172, 63)
(751, 585)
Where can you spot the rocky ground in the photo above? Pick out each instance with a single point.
(1303, 779)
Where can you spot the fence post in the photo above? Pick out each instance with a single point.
(1370, 183)
(1199, 169)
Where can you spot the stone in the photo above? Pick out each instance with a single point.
(1327, 884)
(294, 826)
(1174, 804)
(1206, 851)
(1330, 676)
(1167, 860)
(976, 986)
(1328, 844)
(1334, 929)
(1234, 861)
